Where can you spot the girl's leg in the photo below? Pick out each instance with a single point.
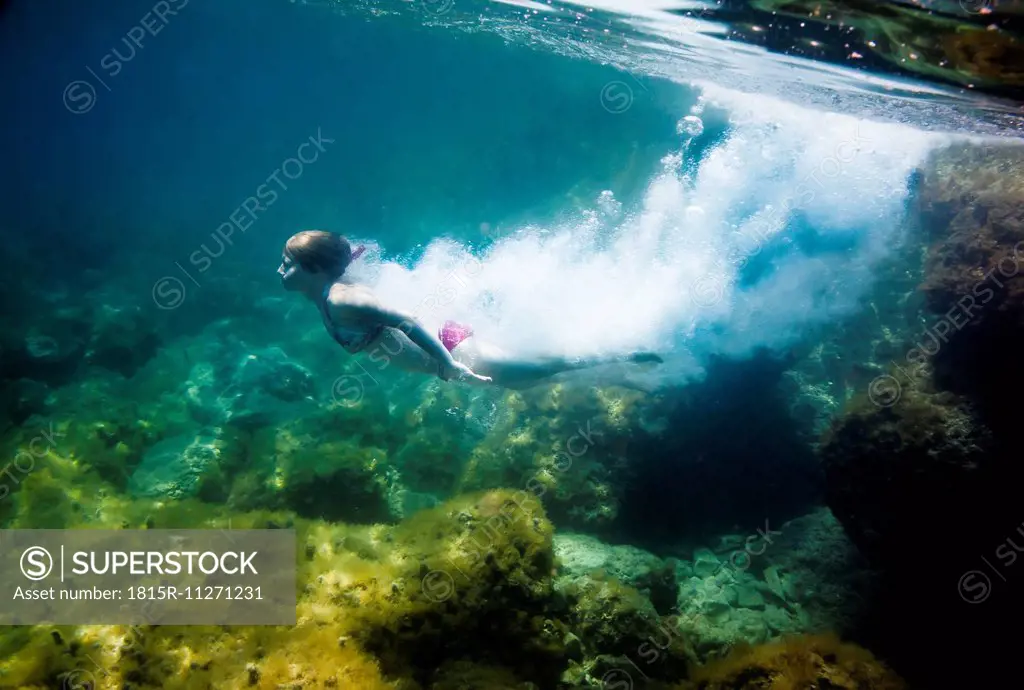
(510, 372)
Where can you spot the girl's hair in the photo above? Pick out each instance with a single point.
(319, 250)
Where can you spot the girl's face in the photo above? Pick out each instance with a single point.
(292, 275)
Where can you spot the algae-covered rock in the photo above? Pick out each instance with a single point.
(927, 462)
(971, 207)
(567, 445)
(459, 596)
(580, 554)
(460, 675)
(930, 447)
(256, 389)
(324, 465)
(180, 466)
(796, 662)
(619, 627)
(471, 579)
(970, 201)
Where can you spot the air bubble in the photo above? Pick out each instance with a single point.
(608, 204)
(691, 125)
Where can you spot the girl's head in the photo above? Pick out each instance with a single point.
(313, 255)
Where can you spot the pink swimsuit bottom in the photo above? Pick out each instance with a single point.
(451, 334)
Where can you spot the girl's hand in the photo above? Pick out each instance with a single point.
(459, 370)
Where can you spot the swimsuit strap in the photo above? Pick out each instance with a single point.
(368, 335)
(323, 307)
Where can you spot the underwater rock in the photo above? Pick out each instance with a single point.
(923, 470)
(711, 616)
(705, 563)
(42, 348)
(944, 432)
(971, 208)
(777, 619)
(774, 582)
(712, 636)
(69, 328)
(717, 608)
(750, 597)
(813, 403)
(570, 446)
(178, 467)
(326, 464)
(621, 627)
(111, 421)
(437, 439)
(820, 661)
(802, 576)
(53, 359)
(259, 388)
(573, 647)
(471, 581)
(459, 675)
(122, 339)
(269, 371)
(580, 554)
(929, 447)
(819, 569)
(22, 398)
(402, 502)
(460, 596)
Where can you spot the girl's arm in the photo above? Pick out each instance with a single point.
(367, 308)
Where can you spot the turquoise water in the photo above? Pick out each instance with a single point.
(461, 134)
(746, 189)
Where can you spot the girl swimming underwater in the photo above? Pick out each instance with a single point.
(314, 262)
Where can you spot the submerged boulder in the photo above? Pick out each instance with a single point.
(322, 466)
(797, 662)
(580, 554)
(894, 472)
(923, 468)
(933, 439)
(569, 446)
(179, 467)
(51, 356)
(469, 587)
(122, 339)
(249, 389)
(971, 207)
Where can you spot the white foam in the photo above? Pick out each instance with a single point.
(665, 277)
